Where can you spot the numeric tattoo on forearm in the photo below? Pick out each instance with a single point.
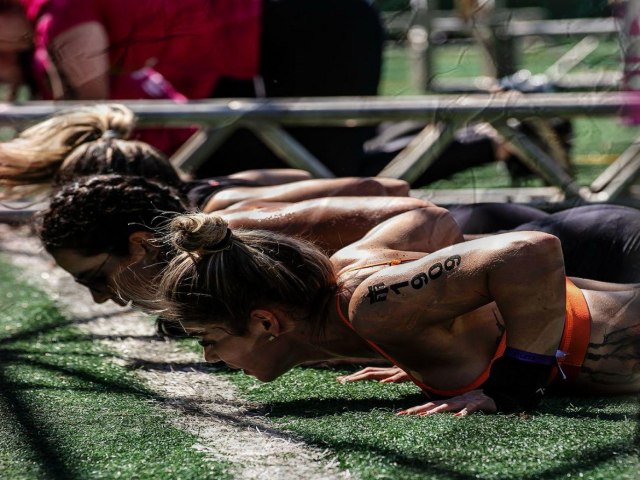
(380, 291)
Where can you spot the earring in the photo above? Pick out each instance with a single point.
(271, 338)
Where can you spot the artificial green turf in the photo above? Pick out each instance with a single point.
(567, 438)
(67, 412)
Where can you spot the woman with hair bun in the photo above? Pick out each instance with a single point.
(100, 228)
(93, 214)
(109, 192)
(484, 325)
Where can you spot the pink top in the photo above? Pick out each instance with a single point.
(192, 43)
(189, 45)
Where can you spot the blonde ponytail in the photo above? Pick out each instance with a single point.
(30, 161)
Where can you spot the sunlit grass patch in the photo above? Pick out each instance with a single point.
(567, 437)
(68, 412)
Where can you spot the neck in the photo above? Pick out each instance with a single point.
(337, 340)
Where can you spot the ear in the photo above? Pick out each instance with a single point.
(263, 321)
(141, 247)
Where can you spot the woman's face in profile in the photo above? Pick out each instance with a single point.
(103, 272)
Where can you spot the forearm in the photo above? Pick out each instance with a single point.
(273, 176)
(81, 58)
(529, 289)
(518, 379)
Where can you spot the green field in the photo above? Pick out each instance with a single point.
(68, 412)
(597, 141)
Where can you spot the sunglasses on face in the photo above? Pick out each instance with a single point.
(95, 280)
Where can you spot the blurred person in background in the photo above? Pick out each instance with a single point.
(195, 49)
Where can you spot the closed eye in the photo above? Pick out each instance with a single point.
(206, 343)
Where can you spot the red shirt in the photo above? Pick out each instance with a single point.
(192, 43)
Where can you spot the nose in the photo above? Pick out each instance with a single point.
(100, 297)
(210, 356)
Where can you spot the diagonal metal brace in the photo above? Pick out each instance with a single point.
(421, 152)
(289, 149)
(538, 160)
(200, 146)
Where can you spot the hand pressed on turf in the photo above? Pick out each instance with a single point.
(380, 374)
(462, 405)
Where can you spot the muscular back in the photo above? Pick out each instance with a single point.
(335, 222)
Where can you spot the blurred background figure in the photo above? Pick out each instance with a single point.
(194, 49)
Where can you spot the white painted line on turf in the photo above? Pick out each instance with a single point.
(201, 403)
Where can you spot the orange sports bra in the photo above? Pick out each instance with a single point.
(573, 344)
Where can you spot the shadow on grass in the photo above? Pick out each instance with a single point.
(591, 408)
(48, 454)
(52, 458)
(49, 327)
(418, 464)
(315, 407)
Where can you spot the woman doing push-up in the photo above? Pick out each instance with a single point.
(488, 324)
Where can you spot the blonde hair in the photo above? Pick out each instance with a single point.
(218, 276)
(29, 162)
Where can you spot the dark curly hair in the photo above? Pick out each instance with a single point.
(97, 214)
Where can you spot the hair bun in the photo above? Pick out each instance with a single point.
(110, 134)
(200, 233)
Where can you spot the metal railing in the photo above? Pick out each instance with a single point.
(441, 114)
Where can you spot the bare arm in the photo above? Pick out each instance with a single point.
(273, 176)
(81, 57)
(308, 189)
(331, 223)
(420, 230)
(523, 273)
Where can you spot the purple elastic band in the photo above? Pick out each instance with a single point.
(529, 357)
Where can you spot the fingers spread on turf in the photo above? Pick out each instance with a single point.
(380, 374)
(461, 405)
(399, 377)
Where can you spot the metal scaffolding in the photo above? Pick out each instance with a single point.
(441, 114)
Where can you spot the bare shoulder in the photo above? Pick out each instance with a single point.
(436, 287)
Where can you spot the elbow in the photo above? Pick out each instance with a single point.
(543, 250)
(390, 187)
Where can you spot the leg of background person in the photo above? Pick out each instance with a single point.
(324, 48)
(481, 218)
(600, 242)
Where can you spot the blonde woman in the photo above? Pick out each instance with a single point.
(487, 324)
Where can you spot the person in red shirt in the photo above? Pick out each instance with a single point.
(194, 49)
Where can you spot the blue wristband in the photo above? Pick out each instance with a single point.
(529, 357)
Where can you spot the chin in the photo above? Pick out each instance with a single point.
(264, 376)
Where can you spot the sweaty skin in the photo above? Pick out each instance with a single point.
(330, 223)
(441, 315)
(306, 190)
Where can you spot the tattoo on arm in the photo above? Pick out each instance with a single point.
(380, 291)
(617, 357)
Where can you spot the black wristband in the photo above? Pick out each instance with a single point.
(516, 385)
